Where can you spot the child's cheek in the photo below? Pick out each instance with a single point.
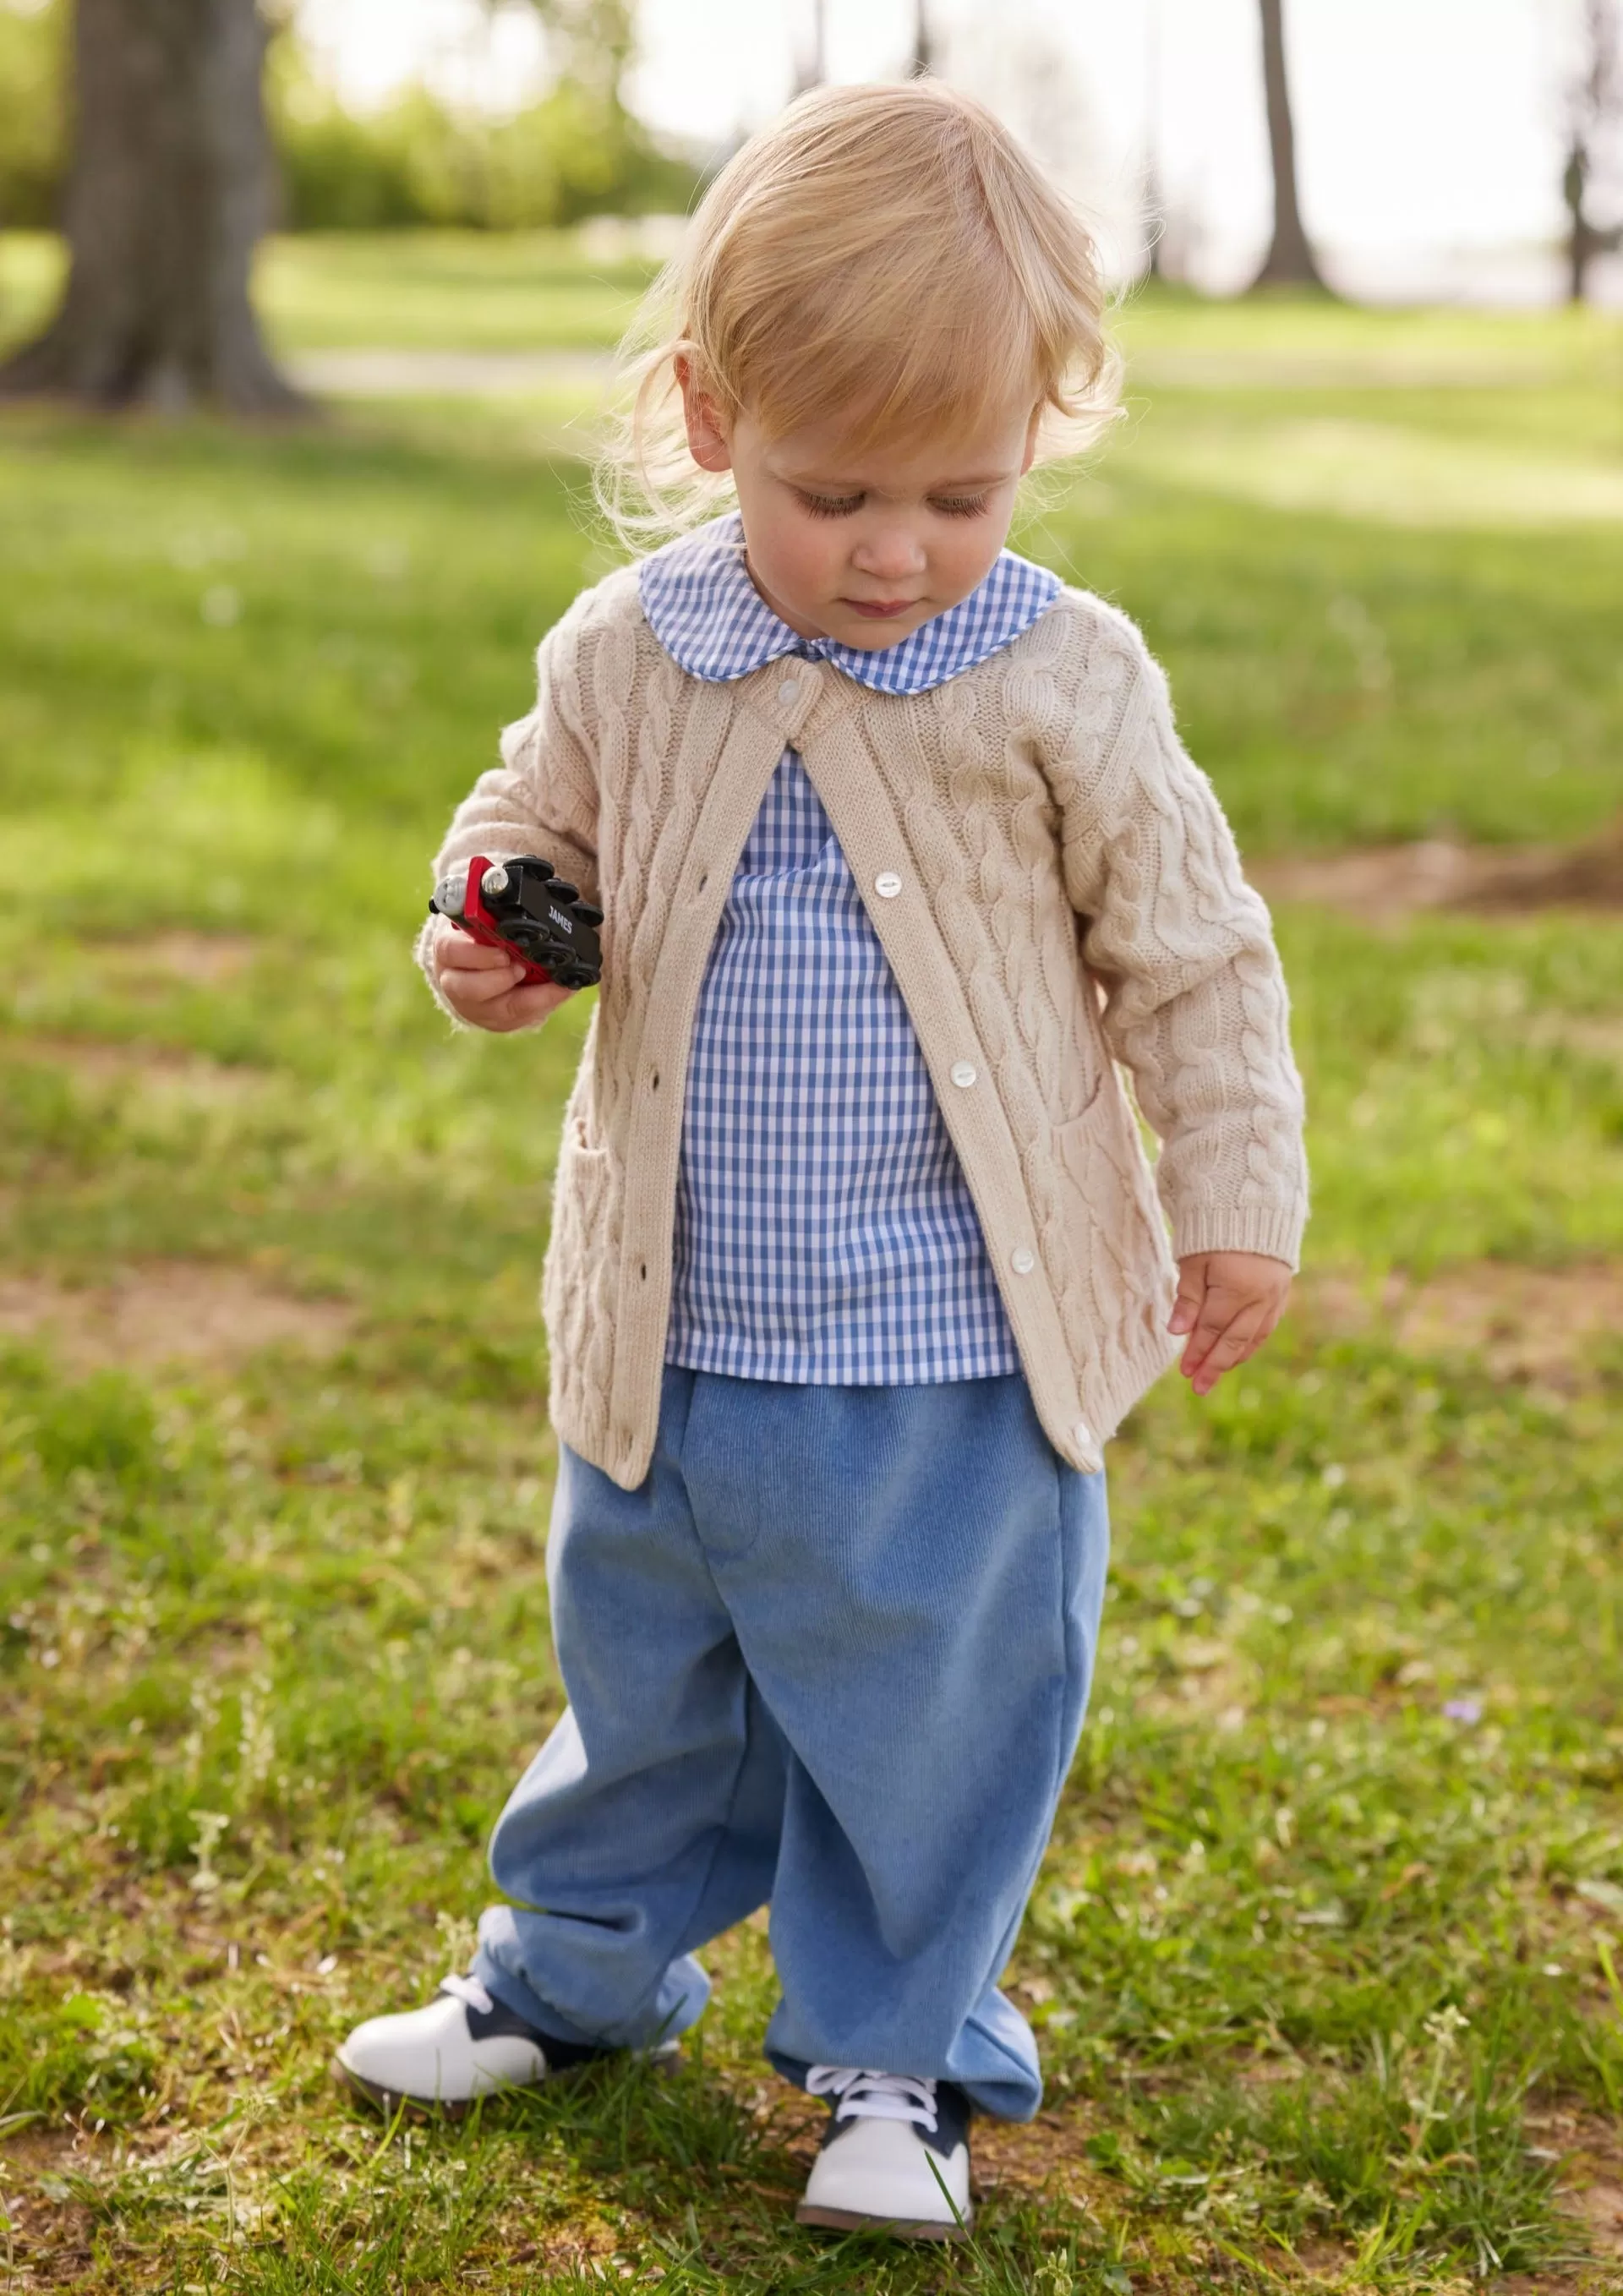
(807, 562)
(965, 552)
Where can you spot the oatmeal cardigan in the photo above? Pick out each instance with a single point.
(1056, 889)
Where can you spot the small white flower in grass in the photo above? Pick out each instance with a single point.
(255, 1735)
(211, 1825)
(459, 1937)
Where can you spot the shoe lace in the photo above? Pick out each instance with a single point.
(468, 1990)
(875, 2096)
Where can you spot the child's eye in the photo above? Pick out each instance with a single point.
(959, 506)
(830, 505)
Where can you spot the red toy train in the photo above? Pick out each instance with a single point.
(523, 906)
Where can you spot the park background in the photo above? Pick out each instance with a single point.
(1328, 1953)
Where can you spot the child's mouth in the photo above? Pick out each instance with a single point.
(882, 610)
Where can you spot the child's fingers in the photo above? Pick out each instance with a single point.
(1191, 1293)
(1216, 1308)
(457, 952)
(475, 991)
(1226, 1348)
(523, 1008)
(1221, 1313)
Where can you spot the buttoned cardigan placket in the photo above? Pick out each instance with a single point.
(808, 708)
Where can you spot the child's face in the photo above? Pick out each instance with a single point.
(863, 547)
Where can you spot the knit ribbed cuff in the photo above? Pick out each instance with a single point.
(1274, 1230)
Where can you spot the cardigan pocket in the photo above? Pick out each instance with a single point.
(580, 1195)
(1107, 1183)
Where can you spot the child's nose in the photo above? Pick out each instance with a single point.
(893, 554)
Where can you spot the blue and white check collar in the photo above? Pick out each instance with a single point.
(712, 621)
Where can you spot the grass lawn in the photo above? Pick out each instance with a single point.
(1328, 1952)
(475, 291)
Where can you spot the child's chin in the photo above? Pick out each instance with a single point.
(868, 632)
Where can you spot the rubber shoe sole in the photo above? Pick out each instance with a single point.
(894, 2227)
(390, 2102)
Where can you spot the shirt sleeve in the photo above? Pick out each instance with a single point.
(542, 798)
(1196, 1004)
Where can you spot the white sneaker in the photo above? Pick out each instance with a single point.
(465, 2044)
(895, 2156)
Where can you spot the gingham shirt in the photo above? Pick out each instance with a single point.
(824, 1233)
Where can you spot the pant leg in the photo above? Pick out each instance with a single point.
(649, 1820)
(915, 1578)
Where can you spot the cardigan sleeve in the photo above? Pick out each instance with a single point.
(1195, 1006)
(541, 799)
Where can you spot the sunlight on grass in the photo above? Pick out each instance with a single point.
(1376, 472)
(1324, 1955)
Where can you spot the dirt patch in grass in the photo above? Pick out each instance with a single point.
(168, 1311)
(100, 1060)
(158, 961)
(1525, 1323)
(1593, 2186)
(1394, 880)
(1593, 1036)
(1590, 2190)
(51, 2236)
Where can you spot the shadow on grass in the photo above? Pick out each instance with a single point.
(664, 2176)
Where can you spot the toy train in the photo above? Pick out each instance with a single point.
(524, 906)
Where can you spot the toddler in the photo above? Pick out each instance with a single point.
(856, 1260)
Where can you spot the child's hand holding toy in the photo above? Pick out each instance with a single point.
(523, 942)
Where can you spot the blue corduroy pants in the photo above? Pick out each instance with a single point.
(833, 1652)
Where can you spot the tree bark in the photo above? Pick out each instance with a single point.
(923, 46)
(1289, 261)
(1580, 250)
(169, 189)
(1596, 101)
(811, 68)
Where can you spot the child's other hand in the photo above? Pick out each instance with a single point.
(480, 985)
(1227, 1302)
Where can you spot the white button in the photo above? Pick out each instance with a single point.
(790, 689)
(1023, 1261)
(1084, 1434)
(964, 1073)
(887, 884)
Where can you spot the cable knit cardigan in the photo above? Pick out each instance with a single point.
(1056, 889)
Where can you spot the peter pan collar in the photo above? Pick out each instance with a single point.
(708, 616)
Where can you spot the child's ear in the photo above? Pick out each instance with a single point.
(707, 440)
(1032, 429)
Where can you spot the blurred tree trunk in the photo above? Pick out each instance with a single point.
(1154, 204)
(1596, 102)
(1581, 234)
(923, 46)
(811, 65)
(1289, 261)
(171, 187)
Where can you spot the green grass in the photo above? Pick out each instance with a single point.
(1323, 1971)
(470, 291)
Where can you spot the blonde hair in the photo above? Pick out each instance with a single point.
(885, 255)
